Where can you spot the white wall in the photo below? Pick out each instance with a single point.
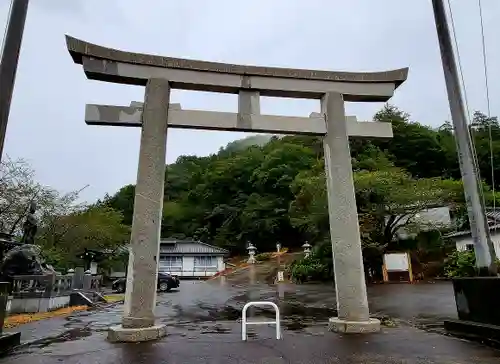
(31, 305)
(462, 241)
(188, 269)
(220, 264)
(188, 263)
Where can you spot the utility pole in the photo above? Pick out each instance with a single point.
(483, 246)
(9, 60)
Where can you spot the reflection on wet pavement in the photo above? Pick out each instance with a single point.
(212, 308)
(304, 305)
(203, 317)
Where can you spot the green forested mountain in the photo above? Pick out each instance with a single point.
(275, 191)
(237, 145)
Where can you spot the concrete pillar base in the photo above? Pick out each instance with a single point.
(125, 335)
(353, 327)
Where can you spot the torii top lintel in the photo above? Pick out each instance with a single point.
(111, 65)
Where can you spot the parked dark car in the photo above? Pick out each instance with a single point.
(165, 283)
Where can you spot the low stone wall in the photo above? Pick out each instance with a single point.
(31, 294)
(32, 305)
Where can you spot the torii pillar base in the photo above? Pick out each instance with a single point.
(135, 335)
(353, 327)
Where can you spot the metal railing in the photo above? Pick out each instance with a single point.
(244, 321)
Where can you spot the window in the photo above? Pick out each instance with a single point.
(205, 263)
(170, 263)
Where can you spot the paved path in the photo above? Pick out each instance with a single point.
(220, 343)
(202, 318)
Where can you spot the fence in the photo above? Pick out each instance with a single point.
(46, 286)
(42, 293)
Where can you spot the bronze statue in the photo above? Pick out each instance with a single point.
(24, 260)
(30, 226)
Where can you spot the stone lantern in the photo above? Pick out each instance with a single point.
(251, 254)
(307, 249)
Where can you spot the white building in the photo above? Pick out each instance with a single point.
(190, 258)
(440, 217)
(463, 239)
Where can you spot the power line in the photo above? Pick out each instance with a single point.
(483, 246)
(459, 60)
(469, 116)
(485, 67)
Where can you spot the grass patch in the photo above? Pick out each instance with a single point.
(24, 318)
(114, 298)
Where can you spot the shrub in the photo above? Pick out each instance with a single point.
(309, 269)
(262, 257)
(317, 267)
(460, 264)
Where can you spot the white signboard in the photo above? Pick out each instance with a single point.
(280, 277)
(396, 262)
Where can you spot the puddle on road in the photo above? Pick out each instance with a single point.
(216, 329)
(294, 315)
(70, 335)
(295, 325)
(305, 309)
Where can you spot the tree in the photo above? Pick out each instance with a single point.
(65, 227)
(265, 192)
(68, 235)
(486, 136)
(392, 198)
(18, 189)
(414, 147)
(122, 201)
(309, 210)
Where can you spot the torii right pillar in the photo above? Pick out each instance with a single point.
(352, 302)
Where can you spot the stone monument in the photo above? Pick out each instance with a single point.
(251, 254)
(307, 249)
(155, 116)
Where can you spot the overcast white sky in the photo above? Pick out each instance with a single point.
(47, 126)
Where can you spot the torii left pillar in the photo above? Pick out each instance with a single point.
(138, 323)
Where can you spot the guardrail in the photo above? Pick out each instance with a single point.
(244, 321)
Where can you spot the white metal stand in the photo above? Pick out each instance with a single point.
(244, 321)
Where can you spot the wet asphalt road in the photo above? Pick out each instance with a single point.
(203, 319)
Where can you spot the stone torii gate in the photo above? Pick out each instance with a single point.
(160, 74)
